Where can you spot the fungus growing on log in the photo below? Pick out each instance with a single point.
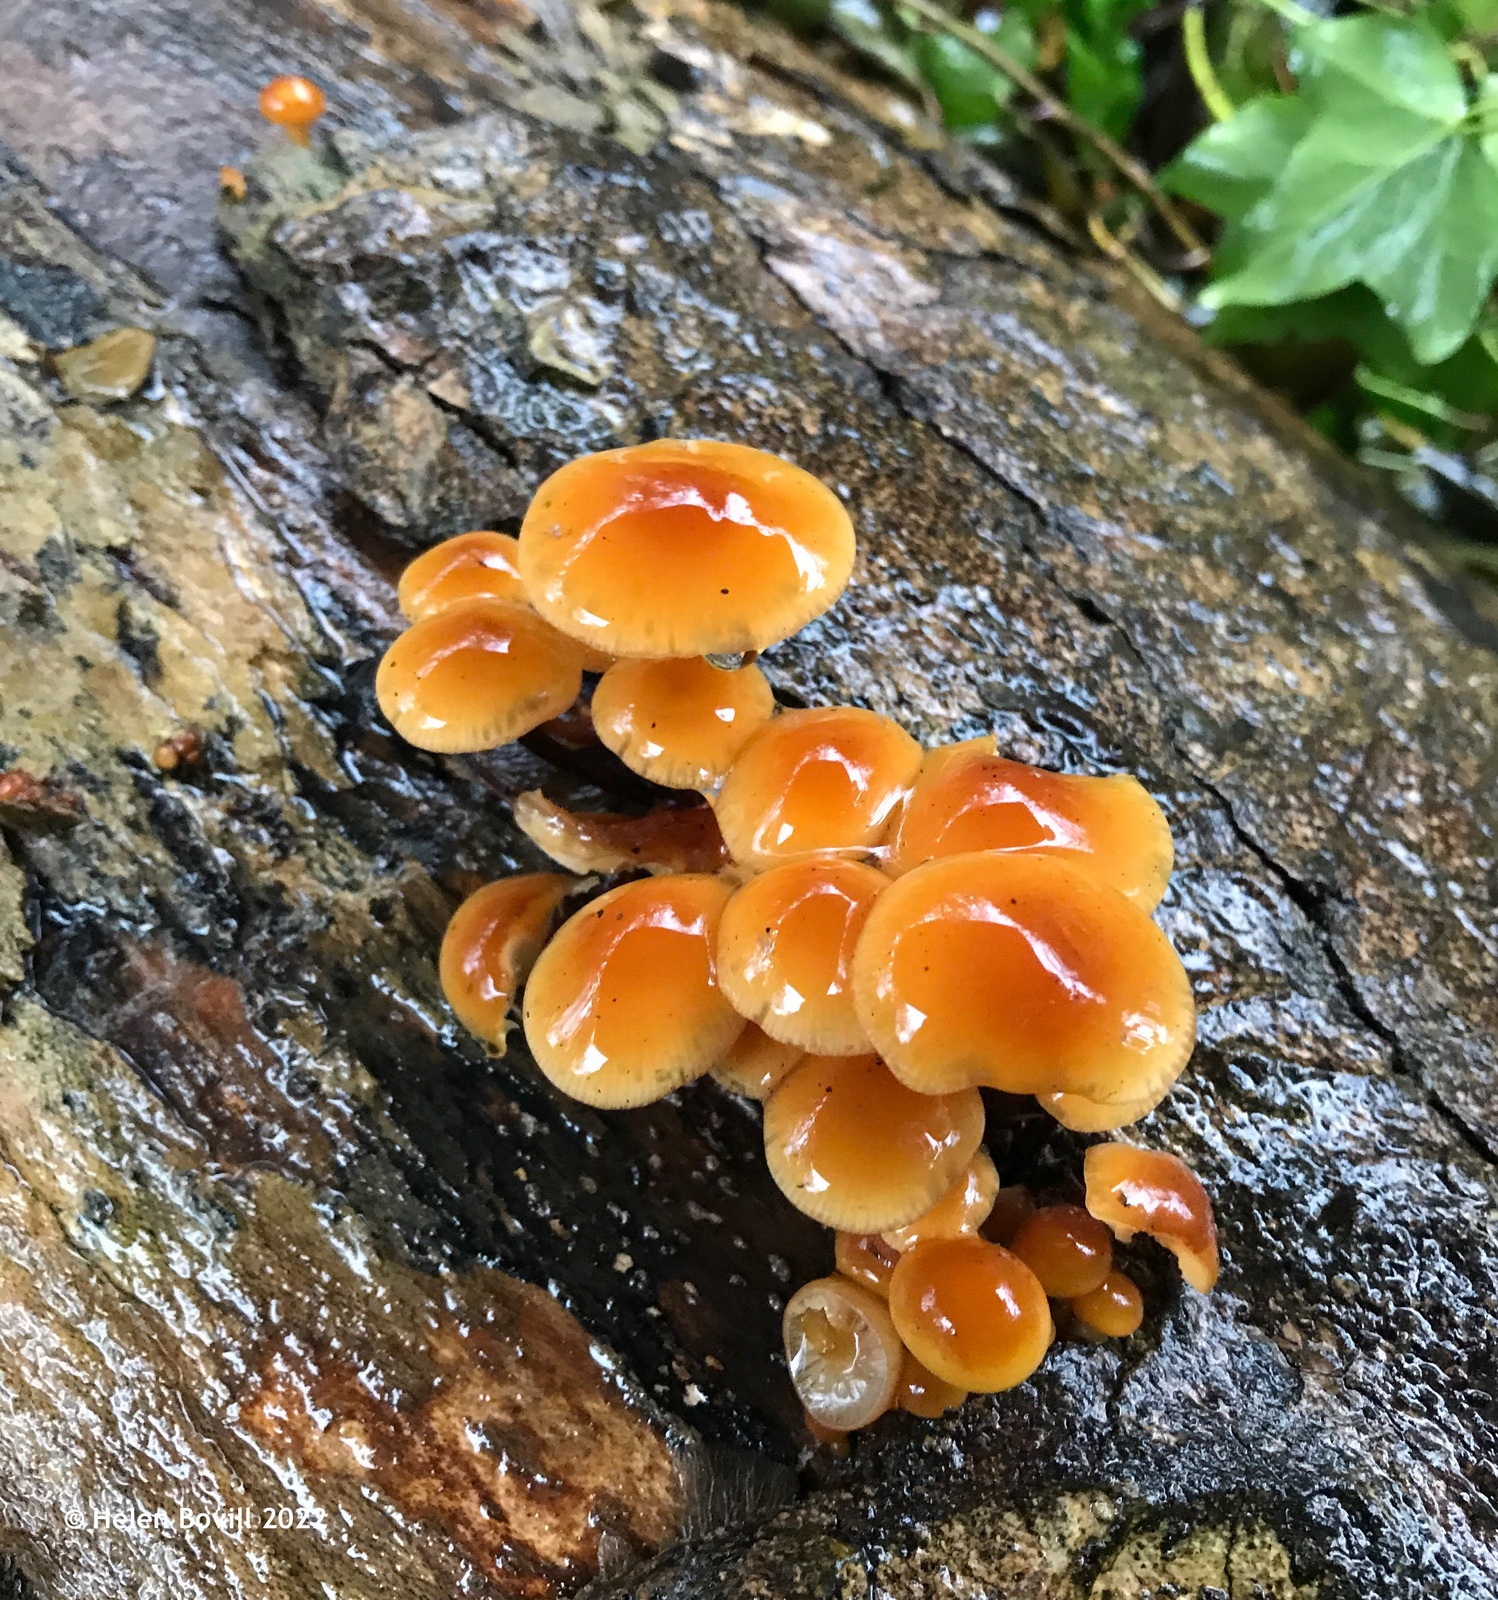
(963, 1209)
(785, 951)
(755, 1062)
(623, 1006)
(970, 1312)
(866, 1258)
(684, 548)
(828, 779)
(853, 1148)
(668, 839)
(844, 1355)
(1114, 1309)
(1153, 1192)
(476, 674)
(294, 104)
(1021, 973)
(923, 1394)
(465, 567)
(490, 946)
(680, 722)
(1068, 1250)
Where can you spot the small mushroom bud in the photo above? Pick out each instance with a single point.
(680, 722)
(1068, 1250)
(684, 548)
(669, 839)
(923, 1394)
(623, 1005)
(467, 567)
(1115, 1308)
(961, 1210)
(853, 1148)
(1150, 1191)
(1021, 973)
(785, 951)
(843, 1353)
(827, 779)
(294, 104)
(865, 1258)
(490, 946)
(968, 797)
(971, 1313)
(474, 675)
(755, 1063)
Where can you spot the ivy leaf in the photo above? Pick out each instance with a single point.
(1389, 186)
(967, 88)
(1104, 83)
(1232, 165)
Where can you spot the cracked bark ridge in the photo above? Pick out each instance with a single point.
(1077, 532)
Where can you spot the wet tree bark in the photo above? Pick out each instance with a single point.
(275, 1238)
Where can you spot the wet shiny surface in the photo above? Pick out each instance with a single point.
(474, 675)
(1068, 1250)
(1155, 1192)
(1020, 972)
(1115, 1308)
(851, 1146)
(293, 103)
(842, 1352)
(923, 1394)
(971, 1312)
(964, 1208)
(668, 839)
(684, 548)
(831, 778)
(866, 1258)
(968, 797)
(755, 1063)
(465, 567)
(680, 722)
(785, 951)
(622, 1006)
(490, 945)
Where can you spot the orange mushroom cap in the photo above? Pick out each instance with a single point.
(668, 839)
(968, 797)
(963, 1209)
(755, 1062)
(971, 1312)
(923, 1394)
(1019, 972)
(476, 675)
(465, 567)
(866, 1259)
(1081, 1115)
(1068, 1250)
(1153, 1192)
(827, 779)
(292, 103)
(680, 722)
(1115, 1308)
(623, 1006)
(785, 951)
(684, 548)
(490, 946)
(844, 1355)
(853, 1148)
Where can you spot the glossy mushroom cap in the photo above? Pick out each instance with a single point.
(468, 567)
(1081, 1115)
(1150, 1191)
(1021, 973)
(1115, 1308)
(971, 1312)
(843, 1353)
(923, 1394)
(828, 779)
(785, 951)
(623, 1006)
(490, 946)
(853, 1148)
(866, 1259)
(684, 548)
(755, 1063)
(680, 722)
(968, 797)
(668, 839)
(1068, 1250)
(963, 1209)
(292, 103)
(476, 675)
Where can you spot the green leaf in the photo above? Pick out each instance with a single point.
(1478, 16)
(1232, 165)
(967, 88)
(869, 29)
(1104, 84)
(1352, 64)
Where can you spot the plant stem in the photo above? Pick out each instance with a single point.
(1136, 173)
(1199, 65)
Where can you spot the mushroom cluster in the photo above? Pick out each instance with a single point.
(825, 917)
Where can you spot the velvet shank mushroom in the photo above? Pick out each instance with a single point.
(684, 548)
(1115, 1308)
(1150, 1191)
(294, 104)
(755, 1063)
(466, 567)
(844, 1355)
(963, 1209)
(1068, 1250)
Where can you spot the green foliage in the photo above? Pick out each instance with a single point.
(969, 90)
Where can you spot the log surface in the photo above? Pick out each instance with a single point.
(274, 1232)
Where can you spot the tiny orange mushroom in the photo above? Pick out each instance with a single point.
(755, 1063)
(826, 779)
(465, 567)
(1153, 1192)
(844, 1355)
(293, 103)
(1068, 1250)
(681, 721)
(963, 1209)
(491, 944)
(785, 951)
(923, 1394)
(1021, 973)
(623, 1005)
(1115, 1308)
(474, 675)
(684, 548)
(865, 1258)
(968, 797)
(971, 1312)
(668, 839)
